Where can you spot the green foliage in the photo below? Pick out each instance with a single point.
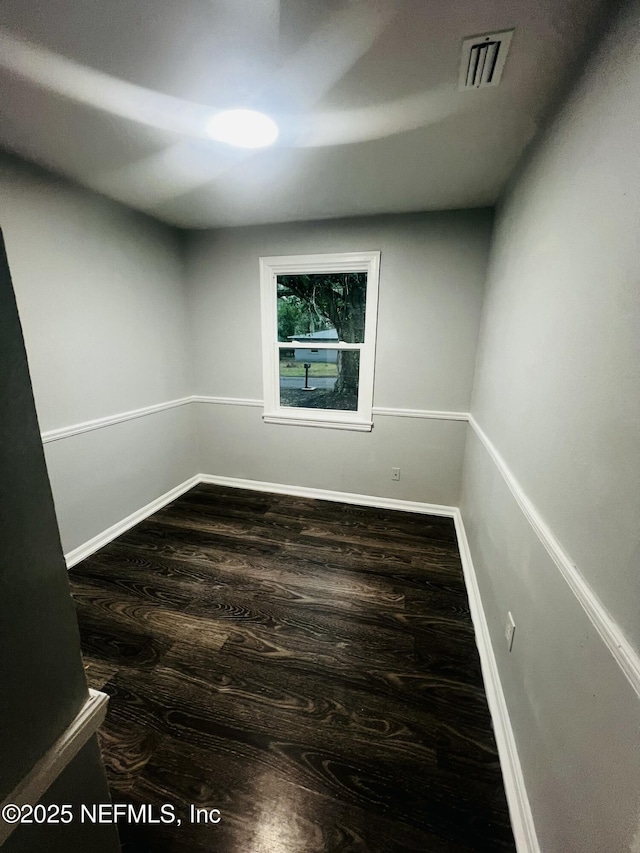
(310, 303)
(296, 316)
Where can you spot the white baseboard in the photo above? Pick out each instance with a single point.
(92, 545)
(32, 787)
(330, 495)
(518, 801)
(524, 831)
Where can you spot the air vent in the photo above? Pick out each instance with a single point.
(483, 59)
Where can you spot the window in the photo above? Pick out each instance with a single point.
(319, 315)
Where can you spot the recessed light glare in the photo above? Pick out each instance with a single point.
(243, 128)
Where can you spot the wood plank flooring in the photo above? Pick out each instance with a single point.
(308, 668)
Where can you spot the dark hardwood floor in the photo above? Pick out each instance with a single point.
(307, 668)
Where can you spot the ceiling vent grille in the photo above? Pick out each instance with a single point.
(483, 59)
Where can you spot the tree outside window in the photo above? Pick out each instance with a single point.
(319, 327)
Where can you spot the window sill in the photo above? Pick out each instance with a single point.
(329, 423)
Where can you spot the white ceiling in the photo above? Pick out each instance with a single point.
(115, 94)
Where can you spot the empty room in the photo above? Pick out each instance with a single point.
(320, 445)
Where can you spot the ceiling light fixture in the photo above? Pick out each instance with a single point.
(243, 128)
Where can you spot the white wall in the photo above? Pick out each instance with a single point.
(557, 392)
(431, 285)
(100, 291)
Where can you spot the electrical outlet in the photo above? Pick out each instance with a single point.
(395, 473)
(509, 631)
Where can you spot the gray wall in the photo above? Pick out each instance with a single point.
(43, 683)
(557, 391)
(100, 292)
(431, 285)
(102, 296)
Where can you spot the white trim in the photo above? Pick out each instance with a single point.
(270, 269)
(316, 345)
(228, 401)
(330, 495)
(519, 808)
(316, 421)
(32, 787)
(427, 414)
(383, 411)
(96, 542)
(327, 262)
(99, 423)
(515, 789)
(108, 535)
(625, 655)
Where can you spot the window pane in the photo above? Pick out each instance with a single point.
(322, 307)
(322, 379)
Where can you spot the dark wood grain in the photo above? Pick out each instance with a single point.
(308, 668)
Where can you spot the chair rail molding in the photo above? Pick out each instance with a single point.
(229, 401)
(426, 414)
(100, 423)
(110, 420)
(610, 632)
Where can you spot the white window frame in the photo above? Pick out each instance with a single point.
(270, 269)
